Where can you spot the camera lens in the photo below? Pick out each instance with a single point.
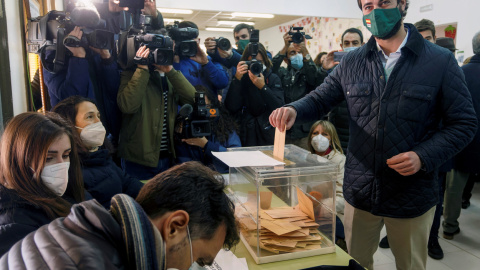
(223, 44)
(297, 38)
(256, 68)
(188, 48)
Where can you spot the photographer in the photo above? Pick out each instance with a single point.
(90, 73)
(230, 58)
(299, 78)
(199, 69)
(253, 97)
(224, 135)
(148, 98)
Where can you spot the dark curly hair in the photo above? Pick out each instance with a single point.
(200, 192)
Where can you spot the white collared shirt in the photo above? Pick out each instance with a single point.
(391, 60)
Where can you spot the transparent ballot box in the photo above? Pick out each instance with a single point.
(287, 211)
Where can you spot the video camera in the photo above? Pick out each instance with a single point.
(161, 49)
(141, 32)
(297, 37)
(255, 66)
(50, 33)
(196, 121)
(185, 45)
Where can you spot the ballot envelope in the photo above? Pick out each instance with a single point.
(285, 211)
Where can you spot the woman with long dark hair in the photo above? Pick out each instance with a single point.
(101, 176)
(40, 175)
(224, 135)
(251, 98)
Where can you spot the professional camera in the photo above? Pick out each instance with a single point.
(255, 66)
(50, 33)
(223, 43)
(161, 49)
(297, 37)
(196, 121)
(184, 43)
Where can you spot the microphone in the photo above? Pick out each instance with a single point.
(185, 111)
(85, 16)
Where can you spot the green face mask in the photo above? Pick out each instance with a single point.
(380, 22)
(242, 44)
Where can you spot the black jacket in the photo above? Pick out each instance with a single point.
(252, 106)
(17, 218)
(388, 118)
(469, 158)
(104, 179)
(296, 84)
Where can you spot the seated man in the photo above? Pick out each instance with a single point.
(181, 217)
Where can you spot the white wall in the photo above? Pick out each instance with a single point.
(464, 12)
(320, 8)
(17, 64)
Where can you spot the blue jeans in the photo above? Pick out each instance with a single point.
(142, 172)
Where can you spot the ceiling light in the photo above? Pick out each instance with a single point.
(172, 20)
(175, 11)
(217, 29)
(252, 15)
(233, 23)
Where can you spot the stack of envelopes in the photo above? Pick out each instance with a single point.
(282, 229)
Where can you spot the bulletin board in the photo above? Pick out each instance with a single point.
(326, 33)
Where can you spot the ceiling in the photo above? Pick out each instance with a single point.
(209, 19)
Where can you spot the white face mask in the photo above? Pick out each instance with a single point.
(55, 177)
(320, 143)
(93, 135)
(264, 67)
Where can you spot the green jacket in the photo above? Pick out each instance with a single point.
(141, 101)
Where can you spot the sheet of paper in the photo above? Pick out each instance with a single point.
(246, 158)
(226, 260)
(305, 204)
(279, 144)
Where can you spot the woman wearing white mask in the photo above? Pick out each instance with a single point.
(324, 141)
(254, 93)
(40, 175)
(101, 176)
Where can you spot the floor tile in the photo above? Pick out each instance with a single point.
(461, 260)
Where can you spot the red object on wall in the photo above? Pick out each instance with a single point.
(450, 32)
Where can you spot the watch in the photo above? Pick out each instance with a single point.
(308, 57)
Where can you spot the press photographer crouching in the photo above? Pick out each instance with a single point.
(148, 97)
(215, 131)
(253, 94)
(299, 78)
(192, 61)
